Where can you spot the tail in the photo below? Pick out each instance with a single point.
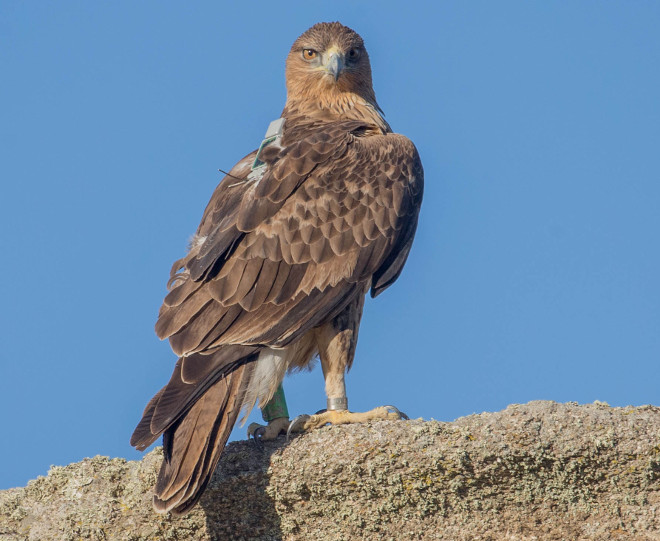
(195, 412)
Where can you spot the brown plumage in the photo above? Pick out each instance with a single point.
(279, 266)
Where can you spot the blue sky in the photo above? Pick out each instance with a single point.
(535, 269)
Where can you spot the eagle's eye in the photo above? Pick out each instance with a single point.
(309, 54)
(354, 54)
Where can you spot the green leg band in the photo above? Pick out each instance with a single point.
(276, 407)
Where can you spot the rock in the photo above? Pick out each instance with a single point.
(539, 471)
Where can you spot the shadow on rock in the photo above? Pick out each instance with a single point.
(236, 502)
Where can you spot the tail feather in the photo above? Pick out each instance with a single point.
(191, 378)
(196, 441)
(195, 412)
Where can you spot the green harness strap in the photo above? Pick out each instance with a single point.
(276, 408)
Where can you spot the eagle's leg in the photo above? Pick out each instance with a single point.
(276, 414)
(336, 343)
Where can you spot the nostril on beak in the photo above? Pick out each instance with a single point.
(334, 65)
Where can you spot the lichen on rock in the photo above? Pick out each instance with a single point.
(537, 471)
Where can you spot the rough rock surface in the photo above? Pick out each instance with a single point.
(540, 471)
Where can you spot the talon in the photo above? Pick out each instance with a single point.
(297, 424)
(394, 409)
(255, 433)
(258, 436)
(252, 429)
(261, 433)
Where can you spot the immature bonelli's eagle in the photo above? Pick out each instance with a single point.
(293, 238)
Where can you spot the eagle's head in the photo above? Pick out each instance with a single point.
(329, 66)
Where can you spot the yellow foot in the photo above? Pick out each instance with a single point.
(270, 432)
(304, 423)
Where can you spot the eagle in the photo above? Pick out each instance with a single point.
(292, 240)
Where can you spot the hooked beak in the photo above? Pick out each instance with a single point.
(334, 65)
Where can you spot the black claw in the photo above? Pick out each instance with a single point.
(256, 438)
(294, 424)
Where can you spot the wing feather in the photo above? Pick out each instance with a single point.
(248, 281)
(182, 293)
(226, 322)
(283, 271)
(224, 287)
(172, 319)
(332, 209)
(257, 295)
(191, 335)
(290, 287)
